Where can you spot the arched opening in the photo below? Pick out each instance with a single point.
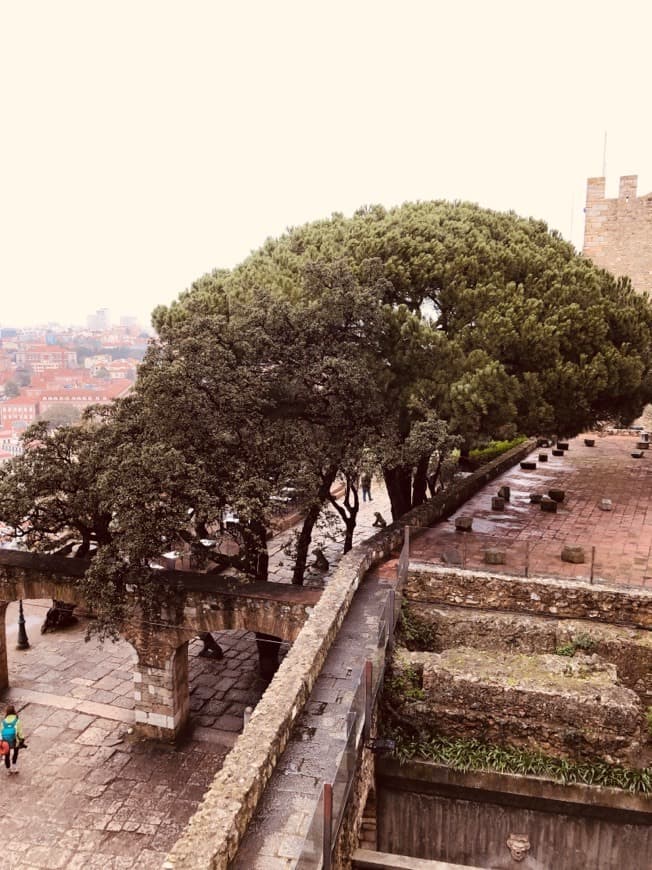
(222, 687)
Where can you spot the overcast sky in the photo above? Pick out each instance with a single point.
(145, 142)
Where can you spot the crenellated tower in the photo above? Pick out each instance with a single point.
(618, 232)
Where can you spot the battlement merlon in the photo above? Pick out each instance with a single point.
(627, 189)
(595, 189)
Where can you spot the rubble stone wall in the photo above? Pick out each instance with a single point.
(557, 705)
(561, 599)
(629, 649)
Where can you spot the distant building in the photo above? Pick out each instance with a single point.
(130, 324)
(80, 397)
(41, 357)
(21, 409)
(10, 443)
(618, 232)
(100, 321)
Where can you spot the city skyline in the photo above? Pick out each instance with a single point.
(147, 145)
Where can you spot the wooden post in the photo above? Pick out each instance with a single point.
(368, 711)
(328, 825)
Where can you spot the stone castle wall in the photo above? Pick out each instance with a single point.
(618, 232)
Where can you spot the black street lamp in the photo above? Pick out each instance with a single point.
(23, 643)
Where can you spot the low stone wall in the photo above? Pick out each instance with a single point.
(557, 705)
(211, 839)
(629, 649)
(432, 812)
(562, 599)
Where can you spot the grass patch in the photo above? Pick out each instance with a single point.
(470, 754)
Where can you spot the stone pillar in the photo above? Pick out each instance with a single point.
(161, 692)
(4, 669)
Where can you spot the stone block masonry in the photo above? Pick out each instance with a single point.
(618, 232)
(569, 707)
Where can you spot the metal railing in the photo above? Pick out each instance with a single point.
(502, 554)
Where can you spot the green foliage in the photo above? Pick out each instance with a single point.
(648, 719)
(63, 414)
(50, 495)
(404, 683)
(469, 754)
(581, 641)
(495, 325)
(414, 633)
(481, 455)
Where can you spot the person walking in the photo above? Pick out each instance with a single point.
(12, 735)
(365, 482)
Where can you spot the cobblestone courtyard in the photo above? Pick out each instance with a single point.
(91, 795)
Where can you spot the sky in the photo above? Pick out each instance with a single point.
(146, 142)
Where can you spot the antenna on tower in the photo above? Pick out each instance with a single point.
(604, 156)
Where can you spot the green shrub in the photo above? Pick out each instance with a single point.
(581, 641)
(413, 633)
(481, 455)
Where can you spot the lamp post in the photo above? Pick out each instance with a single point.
(23, 643)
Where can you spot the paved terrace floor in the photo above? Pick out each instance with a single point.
(622, 537)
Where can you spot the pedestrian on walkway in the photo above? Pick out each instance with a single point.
(12, 735)
(365, 482)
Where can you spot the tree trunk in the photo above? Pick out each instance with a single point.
(255, 556)
(433, 478)
(349, 513)
(398, 481)
(420, 482)
(349, 524)
(305, 536)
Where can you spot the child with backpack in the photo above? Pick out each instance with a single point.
(11, 739)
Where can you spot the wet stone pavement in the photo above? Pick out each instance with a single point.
(88, 793)
(619, 539)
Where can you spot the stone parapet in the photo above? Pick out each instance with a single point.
(211, 839)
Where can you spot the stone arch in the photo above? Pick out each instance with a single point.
(274, 612)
